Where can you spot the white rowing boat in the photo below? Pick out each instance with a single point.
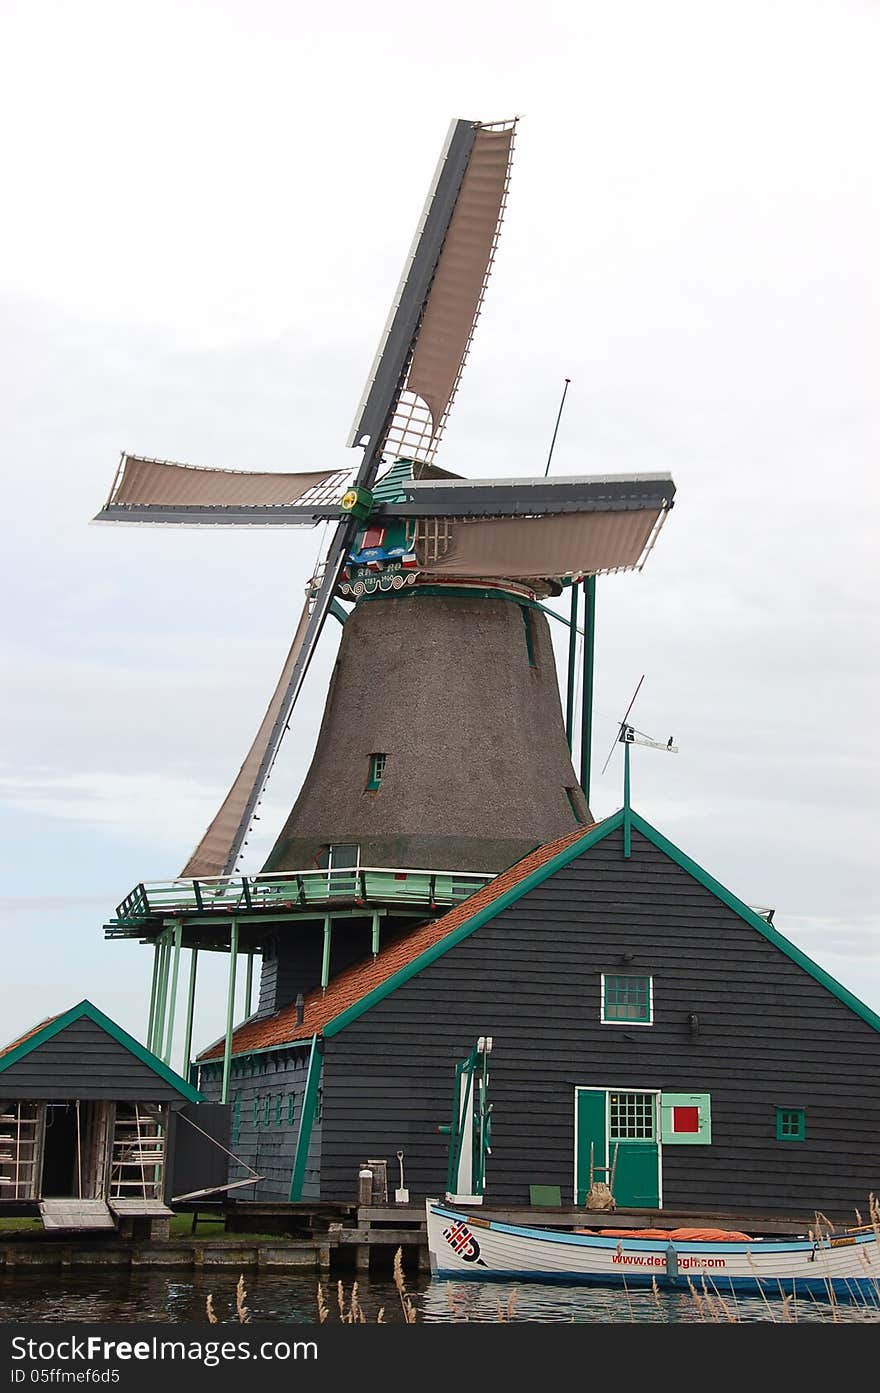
(465, 1245)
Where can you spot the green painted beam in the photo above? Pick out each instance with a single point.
(572, 658)
(587, 689)
(230, 1010)
(307, 1118)
(190, 1007)
(325, 957)
(248, 984)
(162, 995)
(172, 1009)
(375, 934)
(627, 806)
(153, 985)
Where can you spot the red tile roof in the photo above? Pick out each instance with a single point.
(34, 1030)
(357, 981)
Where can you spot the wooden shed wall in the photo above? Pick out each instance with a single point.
(266, 1096)
(770, 1036)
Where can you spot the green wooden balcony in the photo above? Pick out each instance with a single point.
(151, 904)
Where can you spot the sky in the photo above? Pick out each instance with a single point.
(207, 210)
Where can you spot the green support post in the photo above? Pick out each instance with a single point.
(627, 810)
(162, 994)
(248, 984)
(587, 693)
(172, 1009)
(307, 1118)
(572, 661)
(190, 1006)
(153, 985)
(325, 960)
(230, 1010)
(375, 936)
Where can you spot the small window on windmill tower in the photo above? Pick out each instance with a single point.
(377, 771)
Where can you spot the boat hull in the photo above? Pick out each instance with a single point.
(466, 1246)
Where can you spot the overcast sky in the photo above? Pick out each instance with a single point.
(207, 209)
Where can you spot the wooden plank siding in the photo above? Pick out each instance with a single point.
(770, 1036)
(291, 964)
(267, 1147)
(84, 1061)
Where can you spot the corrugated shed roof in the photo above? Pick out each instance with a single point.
(352, 985)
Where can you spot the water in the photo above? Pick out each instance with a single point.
(116, 1297)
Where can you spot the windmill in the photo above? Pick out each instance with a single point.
(443, 742)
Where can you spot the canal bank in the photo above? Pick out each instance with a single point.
(322, 1238)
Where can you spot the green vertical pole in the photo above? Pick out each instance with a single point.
(153, 986)
(325, 960)
(375, 937)
(248, 984)
(230, 1010)
(627, 814)
(587, 693)
(190, 1006)
(307, 1118)
(172, 1008)
(572, 660)
(162, 994)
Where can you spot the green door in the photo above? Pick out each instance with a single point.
(622, 1125)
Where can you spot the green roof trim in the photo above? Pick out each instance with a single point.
(476, 921)
(769, 932)
(590, 839)
(85, 1008)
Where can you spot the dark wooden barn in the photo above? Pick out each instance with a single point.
(85, 1114)
(640, 1014)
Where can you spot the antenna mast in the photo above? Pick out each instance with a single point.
(556, 427)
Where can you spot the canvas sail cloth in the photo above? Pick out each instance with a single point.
(459, 281)
(559, 545)
(437, 304)
(144, 484)
(212, 852)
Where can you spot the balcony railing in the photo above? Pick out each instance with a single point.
(293, 890)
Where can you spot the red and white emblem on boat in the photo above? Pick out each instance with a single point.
(462, 1242)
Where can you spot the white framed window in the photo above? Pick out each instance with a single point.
(627, 999)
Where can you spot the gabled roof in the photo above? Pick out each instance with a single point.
(359, 987)
(358, 983)
(39, 1034)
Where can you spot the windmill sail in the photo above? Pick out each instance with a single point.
(440, 295)
(212, 853)
(162, 491)
(429, 331)
(530, 528)
(582, 544)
